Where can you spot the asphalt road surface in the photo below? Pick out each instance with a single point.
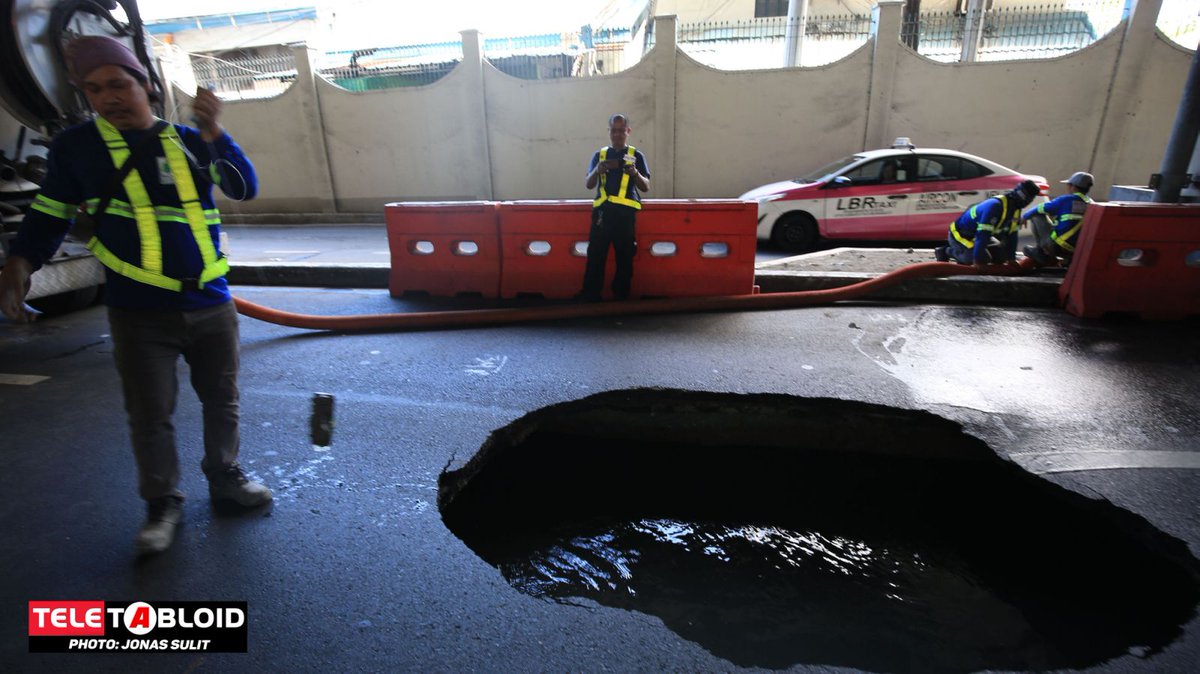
(353, 569)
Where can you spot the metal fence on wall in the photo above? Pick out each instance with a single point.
(245, 74)
(1180, 23)
(762, 43)
(1008, 33)
(584, 53)
(390, 67)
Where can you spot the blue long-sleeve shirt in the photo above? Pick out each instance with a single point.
(1065, 212)
(79, 168)
(990, 217)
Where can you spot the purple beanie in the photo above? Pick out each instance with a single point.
(85, 54)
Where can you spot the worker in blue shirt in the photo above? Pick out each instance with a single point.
(157, 233)
(986, 233)
(1056, 223)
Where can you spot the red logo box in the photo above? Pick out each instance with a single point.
(66, 618)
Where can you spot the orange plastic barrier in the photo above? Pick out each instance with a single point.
(444, 248)
(1136, 258)
(686, 248)
(695, 247)
(544, 248)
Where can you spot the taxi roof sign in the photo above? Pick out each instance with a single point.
(903, 142)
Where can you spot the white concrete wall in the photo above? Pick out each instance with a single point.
(542, 133)
(398, 144)
(738, 130)
(1142, 143)
(481, 134)
(284, 139)
(1038, 117)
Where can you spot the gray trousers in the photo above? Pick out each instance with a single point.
(1042, 229)
(146, 348)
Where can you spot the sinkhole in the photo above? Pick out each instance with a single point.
(775, 530)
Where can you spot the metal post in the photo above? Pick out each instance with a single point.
(1191, 193)
(910, 24)
(972, 31)
(797, 21)
(1171, 178)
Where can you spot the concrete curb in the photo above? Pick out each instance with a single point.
(1028, 291)
(302, 219)
(350, 275)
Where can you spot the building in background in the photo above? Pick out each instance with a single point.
(245, 54)
(371, 44)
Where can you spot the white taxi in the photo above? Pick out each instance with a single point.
(903, 193)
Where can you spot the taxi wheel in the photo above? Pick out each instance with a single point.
(796, 232)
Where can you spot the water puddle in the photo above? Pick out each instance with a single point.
(776, 531)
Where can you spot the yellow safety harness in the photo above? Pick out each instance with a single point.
(1077, 218)
(147, 217)
(622, 196)
(982, 226)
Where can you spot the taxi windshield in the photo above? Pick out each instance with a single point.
(826, 172)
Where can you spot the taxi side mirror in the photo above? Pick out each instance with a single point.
(841, 181)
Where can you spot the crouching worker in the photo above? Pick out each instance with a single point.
(1056, 223)
(156, 231)
(986, 233)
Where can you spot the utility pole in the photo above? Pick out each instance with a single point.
(972, 30)
(797, 20)
(1172, 176)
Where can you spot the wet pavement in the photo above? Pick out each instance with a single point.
(353, 569)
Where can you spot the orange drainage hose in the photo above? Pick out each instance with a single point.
(433, 320)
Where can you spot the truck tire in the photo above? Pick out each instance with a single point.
(64, 303)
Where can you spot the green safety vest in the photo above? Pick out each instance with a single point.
(147, 216)
(622, 195)
(970, 243)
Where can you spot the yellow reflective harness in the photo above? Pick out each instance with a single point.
(982, 226)
(1061, 239)
(622, 196)
(147, 217)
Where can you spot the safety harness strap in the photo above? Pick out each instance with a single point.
(969, 243)
(55, 209)
(1063, 240)
(146, 216)
(622, 196)
(983, 226)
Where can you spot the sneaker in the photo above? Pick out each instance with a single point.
(231, 484)
(1034, 253)
(940, 254)
(163, 516)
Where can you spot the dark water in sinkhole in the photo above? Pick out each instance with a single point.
(866, 559)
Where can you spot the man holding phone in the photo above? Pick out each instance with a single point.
(619, 174)
(155, 227)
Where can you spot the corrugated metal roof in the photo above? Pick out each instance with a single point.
(215, 21)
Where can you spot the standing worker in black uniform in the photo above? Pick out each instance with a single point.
(617, 172)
